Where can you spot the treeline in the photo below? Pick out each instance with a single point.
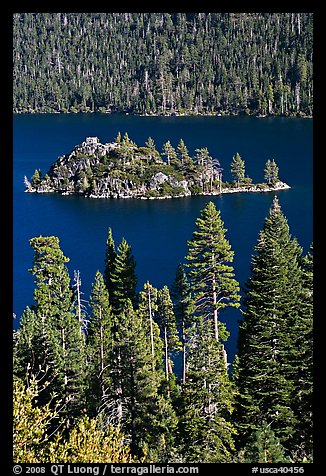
(164, 63)
(144, 376)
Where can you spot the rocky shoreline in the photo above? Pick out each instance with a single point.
(122, 170)
(253, 189)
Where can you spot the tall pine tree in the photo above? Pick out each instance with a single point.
(63, 346)
(207, 400)
(267, 348)
(210, 272)
(181, 293)
(99, 345)
(123, 278)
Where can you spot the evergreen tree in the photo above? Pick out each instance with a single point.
(169, 152)
(63, 344)
(183, 154)
(181, 294)
(36, 178)
(166, 321)
(109, 264)
(211, 276)
(28, 349)
(266, 447)
(148, 308)
(123, 277)
(145, 415)
(205, 427)
(271, 172)
(99, 344)
(238, 169)
(302, 363)
(267, 353)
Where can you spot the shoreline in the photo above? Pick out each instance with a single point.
(252, 189)
(174, 114)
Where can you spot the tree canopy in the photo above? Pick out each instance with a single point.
(164, 63)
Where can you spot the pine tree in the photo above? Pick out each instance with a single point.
(271, 172)
(267, 354)
(211, 276)
(147, 308)
(36, 178)
(99, 344)
(183, 154)
(62, 341)
(166, 321)
(123, 277)
(266, 447)
(170, 153)
(109, 264)
(207, 400)
(238, 169)
(144, 413)
(28, 349)
(302, 364)
(181, 294)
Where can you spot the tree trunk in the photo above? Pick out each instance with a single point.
(151, 326)
(166, 355)
(183, 353)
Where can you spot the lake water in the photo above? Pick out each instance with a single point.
(157, 230)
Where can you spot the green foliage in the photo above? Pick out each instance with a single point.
(205, 427)
(270, 356)
(36, 178)
(211, 276)
(82, 392)
(86, 442)
(163, 63)
(238, 169)
(271, 172)
(265, 447)
(99, 342)
(123, 277)
(30, 423)
(61, 334)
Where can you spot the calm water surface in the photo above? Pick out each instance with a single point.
(157, 230)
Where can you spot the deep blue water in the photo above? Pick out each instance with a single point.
(157, 230)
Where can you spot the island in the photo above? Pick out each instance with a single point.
(122, 169)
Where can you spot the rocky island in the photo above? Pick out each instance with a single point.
(122, 169)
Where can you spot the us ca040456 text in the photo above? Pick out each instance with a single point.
(281, 470)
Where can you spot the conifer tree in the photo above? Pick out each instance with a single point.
(267, 354)
(99, 344)
(271, 172)
(181, 294)
(166, 321)
(123, 277)
(148, 308)
(238, 169)
(302, 365)
(211, 276)
(28, 349)
(265, 447)
(169, 151)
(144, 413)
(183, 154)
(109, 264)
(63, 343)
(205, 427)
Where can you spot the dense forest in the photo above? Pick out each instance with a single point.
(164, 63)
(122, 169)
(144, 376)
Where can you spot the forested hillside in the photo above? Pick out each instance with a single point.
(144, 376)
(162, 63)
